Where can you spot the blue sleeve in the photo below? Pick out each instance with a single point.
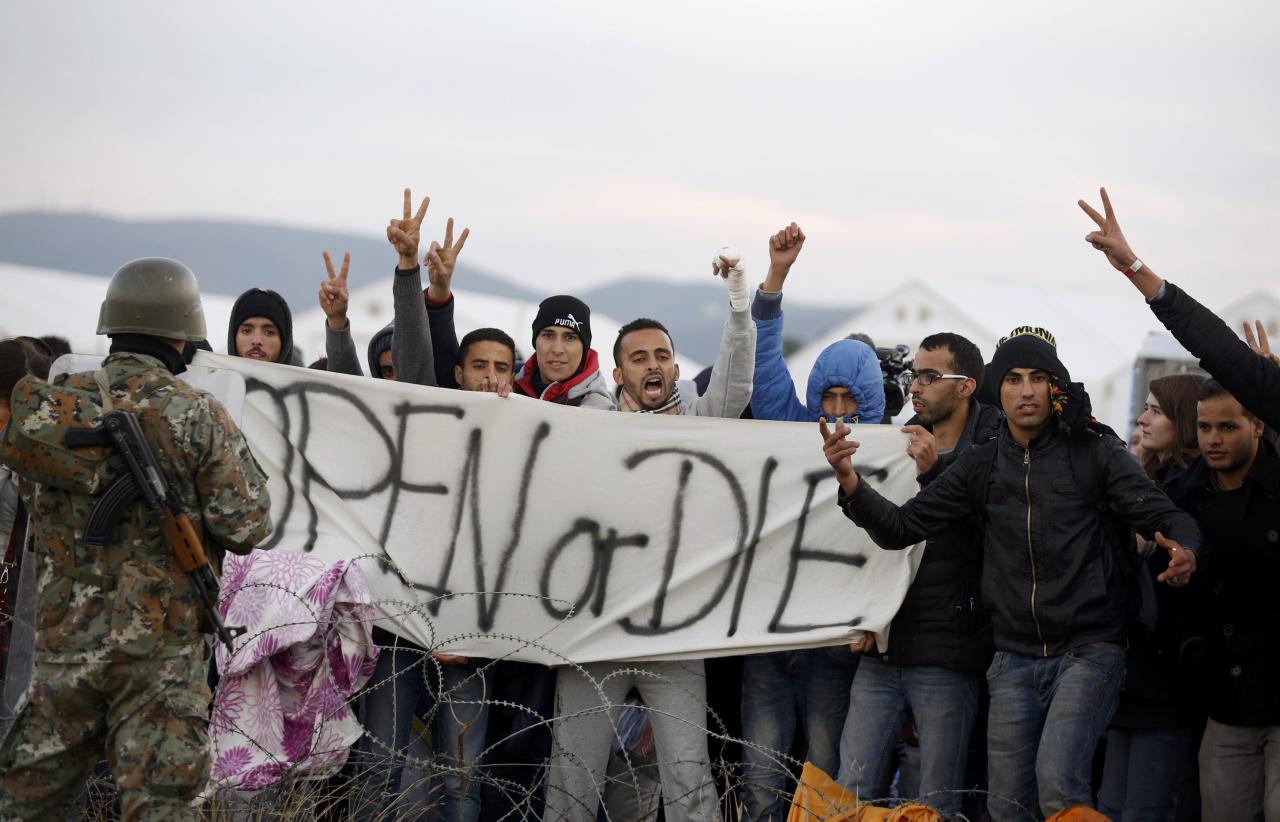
(773, 394)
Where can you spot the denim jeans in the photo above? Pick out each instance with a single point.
(945, 706)
(1149, 775)
(777, 687)
(1240, 772)
(407, 681)
(1047, 715)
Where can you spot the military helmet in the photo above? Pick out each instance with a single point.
(156, 296)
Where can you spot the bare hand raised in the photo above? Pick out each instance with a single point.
(1260, 344)
(403, 234)
(334, 295)
(839, 453)
(784, 247)
(1182, 562)
(921, 447)
(440, 261)
(1109, 239)
(494, 385)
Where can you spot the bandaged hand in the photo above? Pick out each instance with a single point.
(727, 264)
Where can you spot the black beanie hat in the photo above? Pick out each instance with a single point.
(1027, 347)
(566, 312)
(262, 302)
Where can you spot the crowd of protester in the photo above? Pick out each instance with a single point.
(1091, 624)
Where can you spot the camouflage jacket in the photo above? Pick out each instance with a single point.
(130, 599)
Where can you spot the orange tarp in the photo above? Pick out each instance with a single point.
(819, 797)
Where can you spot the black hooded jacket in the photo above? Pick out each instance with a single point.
(1050, 577)
(263, 302)
(942, 621)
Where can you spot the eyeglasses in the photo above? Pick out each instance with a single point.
(928, 377)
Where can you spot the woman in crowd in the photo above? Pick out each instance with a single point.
(1150, 771)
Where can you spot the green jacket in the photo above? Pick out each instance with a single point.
(130, 599)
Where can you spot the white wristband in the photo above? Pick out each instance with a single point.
(1133, 268)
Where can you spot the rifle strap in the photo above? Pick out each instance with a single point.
(100, 377)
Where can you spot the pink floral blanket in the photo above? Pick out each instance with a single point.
(281, 706)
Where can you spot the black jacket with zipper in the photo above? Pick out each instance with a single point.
(1051, 577)
(942, 621)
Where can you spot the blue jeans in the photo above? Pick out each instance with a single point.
(407, 681)
(1150, 774)
(945, 706)
(1047, 715)
(813, 684)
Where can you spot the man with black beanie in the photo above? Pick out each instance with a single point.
(564, 368)
(261, 328)
(1056, 496)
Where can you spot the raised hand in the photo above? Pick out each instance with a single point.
(403, 234)
(727, 265)
(1260, 344)
(784, 247)
(921, 447)
(440, 261)
(839, 453)
(493, 385)
(334, 294)
(1182, 562)
(1109, 239)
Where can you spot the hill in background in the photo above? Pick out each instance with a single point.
(230, 257)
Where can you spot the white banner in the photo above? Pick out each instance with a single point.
(512, 527)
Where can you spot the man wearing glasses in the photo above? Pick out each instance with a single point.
(940, 640)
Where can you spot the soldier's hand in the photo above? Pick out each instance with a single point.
(440, 261)
(334, 294)
(403, 234)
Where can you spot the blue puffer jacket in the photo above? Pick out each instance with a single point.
(846, 363)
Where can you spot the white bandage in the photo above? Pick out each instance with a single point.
(737, 278)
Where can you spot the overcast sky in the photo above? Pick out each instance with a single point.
(583, 141)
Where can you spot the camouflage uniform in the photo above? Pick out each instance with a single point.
(120, 663)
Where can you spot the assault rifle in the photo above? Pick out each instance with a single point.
(119, 429)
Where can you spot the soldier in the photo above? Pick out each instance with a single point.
(120, 651)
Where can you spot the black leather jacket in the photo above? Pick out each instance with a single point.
(1050, 576)
(942, 621)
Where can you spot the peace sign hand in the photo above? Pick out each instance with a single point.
(1260, 345)
(440, 261)
(1109, 239)
(334, 294)
(403, 234)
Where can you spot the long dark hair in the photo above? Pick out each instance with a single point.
(1176, 394)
